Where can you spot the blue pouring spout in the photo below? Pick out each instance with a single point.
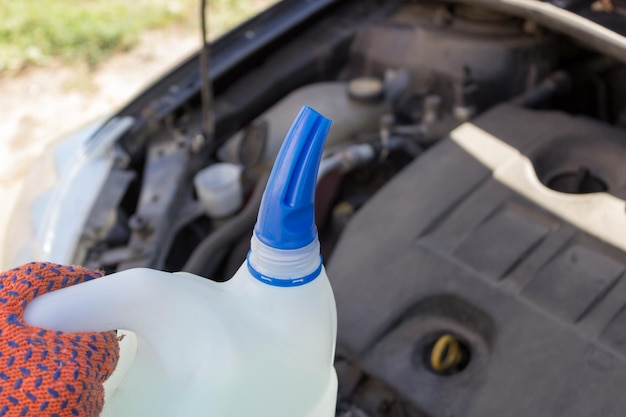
(286, 218)
(284, 247)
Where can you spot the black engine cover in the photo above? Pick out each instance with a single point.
(445, 247)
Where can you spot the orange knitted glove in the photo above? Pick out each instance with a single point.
(46, 372)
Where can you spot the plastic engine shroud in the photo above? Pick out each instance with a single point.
(445, 247)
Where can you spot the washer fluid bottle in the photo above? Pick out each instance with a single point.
(258, 345)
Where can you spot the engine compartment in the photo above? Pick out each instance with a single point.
(472, 189)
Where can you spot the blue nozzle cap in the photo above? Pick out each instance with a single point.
(286, 216)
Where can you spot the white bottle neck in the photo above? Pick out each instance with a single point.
(284, 267)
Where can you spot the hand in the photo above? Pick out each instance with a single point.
(46, 372)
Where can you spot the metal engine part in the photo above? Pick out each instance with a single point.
(473, 240)
(473, 57)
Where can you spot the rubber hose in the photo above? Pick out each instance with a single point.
(210, 253)
(556, 83)
(405, 144)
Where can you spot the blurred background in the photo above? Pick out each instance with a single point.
(66, 62)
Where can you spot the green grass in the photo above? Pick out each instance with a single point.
(42, 32)
(225, 14)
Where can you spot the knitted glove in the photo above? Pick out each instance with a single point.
(46, 372)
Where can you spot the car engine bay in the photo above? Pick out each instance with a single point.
(470, 203)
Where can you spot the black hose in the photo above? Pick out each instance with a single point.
(557, 83)
(405, 144)
(210, 253)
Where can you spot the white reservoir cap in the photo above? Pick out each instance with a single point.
(219, 189)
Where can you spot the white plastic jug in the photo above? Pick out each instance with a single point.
(259, 345)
